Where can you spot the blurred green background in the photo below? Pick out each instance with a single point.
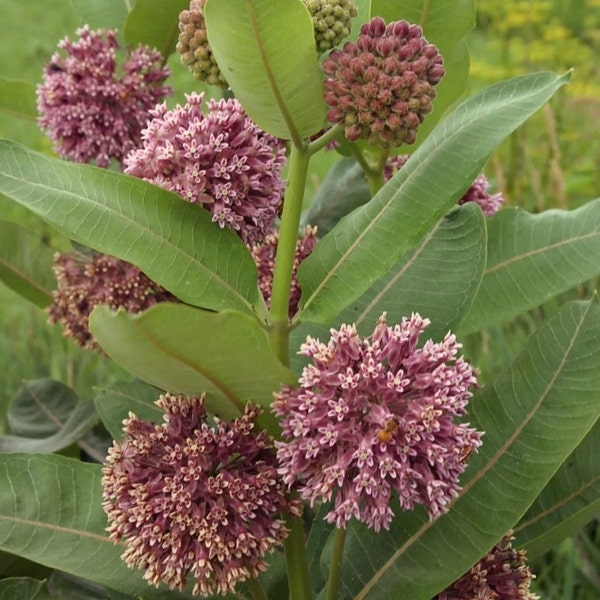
(553, 161)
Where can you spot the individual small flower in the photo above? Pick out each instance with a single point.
(220, 160)
(91, 110)
(193, 46)
(193, 500)
(502, 574)
(381, 87)
(478, 192)
(264, 257)
(332, 21)
(84, 282)
(376, 415)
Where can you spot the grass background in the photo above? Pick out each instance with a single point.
(551, 162)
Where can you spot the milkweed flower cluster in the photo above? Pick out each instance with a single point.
(84, 282)
(221, 160)
(193, 46)
(501, 574)
(193, 500)
(91, 110)
(381, 87)
(490, 204)
(264, 256)
(332, 21)
(376, 415)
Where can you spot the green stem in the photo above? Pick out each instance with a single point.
(373, 174)
(295, 556)
(327, 137)
(256, 589)
(335, 570)
(286, 252)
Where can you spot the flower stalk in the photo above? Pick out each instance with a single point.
(335, 568)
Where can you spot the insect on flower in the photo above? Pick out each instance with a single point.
(466, 454)
(389, 428)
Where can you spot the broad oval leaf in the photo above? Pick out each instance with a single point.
(532, 258)
(23, 588)
(267, 53)
(571, 499)
(102, 14)
(26, 264)
(534, 416)
(173, 241)
(368, 242)
(226, 355)
(154, 23)
(35, 524)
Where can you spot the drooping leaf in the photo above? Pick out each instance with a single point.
(35, 524)
(270, 65)
(178, 348)
(23, 588)
(102, 14)
(155, 24)
(114, 403)
(446, 24)
(571, 499)
(174, 242)
(17, 99)
(534, 416)
(46, 416)
(26, 264)
(438, 279)
(68, 587)
(532, 258)
(368, 242)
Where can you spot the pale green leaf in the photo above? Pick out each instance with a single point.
(102, 14)
(17, 99)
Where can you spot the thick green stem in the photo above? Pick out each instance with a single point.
(295, 556)
(286, 252)
(374, 174)
(335, 569)
(256, 589)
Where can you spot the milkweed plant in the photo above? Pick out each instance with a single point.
(302, 420)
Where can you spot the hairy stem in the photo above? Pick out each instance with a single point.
(295, 556)
(335, 570)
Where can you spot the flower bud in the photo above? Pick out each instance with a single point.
(332, 21)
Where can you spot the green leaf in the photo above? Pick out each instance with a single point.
(368, 242)
(173, 241)
(534, 416)
(266, 51)
(571, 499)
(46, 416)
(178, 348)
(26, 264)
(68, 587)
(532, 258)
(114, 403)
(23, 588)
(102, 14)
(438, 279)
(17, 99)
(446, 24)
(35, 522)
(154, 23)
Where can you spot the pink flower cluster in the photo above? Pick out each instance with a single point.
(84, 282)
(220, 160)
(376, 415)
(191, 499)
(264, 257)
(89, 109)
(502, 574)
(381, 87)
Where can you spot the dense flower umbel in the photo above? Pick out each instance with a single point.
(376, 415)
(221, 160)
(332, 21)
(502, 574)
(478, 192)
(381, 87)
(84, 282)
(264, 257)
(90, 110)
(193, 46)
(190, 499)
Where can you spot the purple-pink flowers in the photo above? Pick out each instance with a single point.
(90, 109)
(220, 160)
(191, 500)
(377, 415)
(381, 87)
